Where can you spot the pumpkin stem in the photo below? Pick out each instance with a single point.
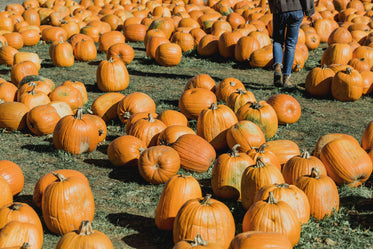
(213, 106)
(85, 228)
(241, 91)
(232, 83)
(271, 198)
(60, 177)
(349, 70)
(126, 115)
(234, 152)
(259, 163)
(25, 245)
(206, 200)
(305, 154)
(15, 206)
(2, 101)
(282, 185)
(315, 173)
(111, 60)
(141, 150)
(89, 111)
(79, 113)
(150, 118)
(198, 241)
(256, 105)
(261, 148)
(32, 91)
(324, 66)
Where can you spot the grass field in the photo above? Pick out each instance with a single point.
(125, 203)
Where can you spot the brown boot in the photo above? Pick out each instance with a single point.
(277, 77)
(286, 82)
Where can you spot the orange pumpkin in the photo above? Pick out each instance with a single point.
(260, 240)
(287, 108)
(112, 76)
(106, 105)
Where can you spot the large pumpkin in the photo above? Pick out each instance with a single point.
(76, 134)
(218, 225)
(346, 162)
(245, 133)
(13, 115)
(168, 54)
(193, 101)
(347, 85)
(134, 103)
(16, 233)
(125, 150)
(287, 108)
(66, 203)
(213, 123)
(196, 154)
(112, 75)
(177, 190)
(12, 173)
(106, 105)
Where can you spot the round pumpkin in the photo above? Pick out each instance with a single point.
(287, 108)
(13, 174)
(125, 151)
(260, 240)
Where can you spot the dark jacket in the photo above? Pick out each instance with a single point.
(280, 6)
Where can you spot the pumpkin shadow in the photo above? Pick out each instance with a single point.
(4, 71)
(362, 215)
(101, 163)
(25, 199)
(47, 63)
(144, 226)
(127, 174)
(41, 148)
(92, 88)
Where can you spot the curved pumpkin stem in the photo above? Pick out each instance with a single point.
(259, 162)
(60, 177)
(213, 106)
(85, 228)
(261, 148)
(315, 173)
(234, 152)
(241, 91)
(2, 101)
(150, 118)
(79, 113)
(256, 105)
(198, 241)
(305, 154)
(141, 150)
(206, 200)
(324, 66)
(282, 185)
(232, 83)
(126, 115)
(89, 111)
(32, 91)
(15, 206)
(271, 198)
(111, 60)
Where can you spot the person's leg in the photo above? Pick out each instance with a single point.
(278, 36)
(293, 24)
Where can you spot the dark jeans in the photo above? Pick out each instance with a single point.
(289, 21)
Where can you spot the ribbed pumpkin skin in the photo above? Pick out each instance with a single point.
(206, 216)
(13, 115)
(262, 57)
(15, 233)
(21, 212)
(177, 190)
(290, 194)
(7, 91)
(322, 194)
(301, 165)
(168, 54)
(226, 87)
(125, 150)
(7, 195)
(260, 240)
(100, 125)
(245, 133)
(193, 101)
(266, 155)
(273, 217)
(106, 105)
(284, 149)
(41, 120)
(75, 135)
(227, 173)
(134, 103)
(347, 85)
(85, 50)
(245, 47)
(239, 98)
(12, 173)
(323, 140)
(159, 163)
(201, 81)
(336, 53)
(367, 138)
(256, 176)
(121, 51)
(169, 135)
(172, 117)
(346, 162)
(62, 54)
(196, 154)
(318, 81)
(112, 76)
(262, 114)
(84, 238)
(212, 124)
(287, 108)
(49, 178)
(66, 203)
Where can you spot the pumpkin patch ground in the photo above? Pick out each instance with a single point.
(125, 204)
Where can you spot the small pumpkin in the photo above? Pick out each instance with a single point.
(125, 151)
(287, 108)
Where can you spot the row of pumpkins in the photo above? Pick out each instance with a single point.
(239, 29)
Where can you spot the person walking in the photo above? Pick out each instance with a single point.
(287, 18)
